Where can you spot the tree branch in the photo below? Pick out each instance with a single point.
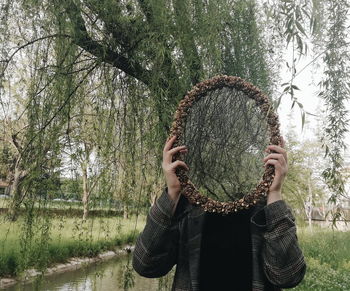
(7, 61)
(82, 39)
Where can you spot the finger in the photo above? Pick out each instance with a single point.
(169, 143)
(176, 149)
(277, 149)
(168, 155)
(178, 163)
(280, 170)
(283, 142)
(278, 157)
(276, 164)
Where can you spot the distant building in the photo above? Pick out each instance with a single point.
(345, 201)
(318, 213)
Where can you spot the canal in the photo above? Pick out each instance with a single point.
(115, 274)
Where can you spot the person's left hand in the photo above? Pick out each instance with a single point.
(278, 158)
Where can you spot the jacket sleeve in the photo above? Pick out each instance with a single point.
(156, 247)
(282, 259)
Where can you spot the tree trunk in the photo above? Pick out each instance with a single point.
(310, 202)
(16, 193)
(86, 192)
(125, 211)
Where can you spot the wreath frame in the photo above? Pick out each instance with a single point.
(188, 189)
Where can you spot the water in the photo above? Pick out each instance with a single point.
(116, 274)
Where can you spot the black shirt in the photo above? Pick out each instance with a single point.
(226, 252)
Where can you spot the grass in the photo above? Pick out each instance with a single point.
(56, 239)
(327, 255)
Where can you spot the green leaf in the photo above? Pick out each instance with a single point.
(302, 118)
(289, 25)
(312, 21)
(308, 113)
(305, 12)
(300, 43)
(286, 89)
(299, 26)
(278, 101)
(326, 151)
(293, 104)
(314, 26)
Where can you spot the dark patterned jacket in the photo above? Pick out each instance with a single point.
(170, 239)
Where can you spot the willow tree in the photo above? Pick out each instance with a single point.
(335, 90)
(324, 25)
(162, 48)
(159, 48)
(29, 130)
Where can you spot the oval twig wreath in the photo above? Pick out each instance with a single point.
(226, 124)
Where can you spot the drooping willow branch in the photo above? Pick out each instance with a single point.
(62, 106)
(335, 91)
(9, 59)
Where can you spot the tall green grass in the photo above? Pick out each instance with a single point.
(327, 255)
(66, 238)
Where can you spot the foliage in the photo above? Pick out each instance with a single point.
(335, 92)
(104, 85)
(303, 187)
(295, 21)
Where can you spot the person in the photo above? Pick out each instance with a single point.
(254, 250)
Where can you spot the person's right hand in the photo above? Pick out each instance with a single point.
(169, 167)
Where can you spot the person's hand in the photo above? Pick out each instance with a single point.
(278, 158)
(169, 167)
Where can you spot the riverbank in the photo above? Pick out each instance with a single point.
(72, 265)
(55, 241)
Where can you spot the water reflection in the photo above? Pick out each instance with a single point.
(127, 276)
(116, 274)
